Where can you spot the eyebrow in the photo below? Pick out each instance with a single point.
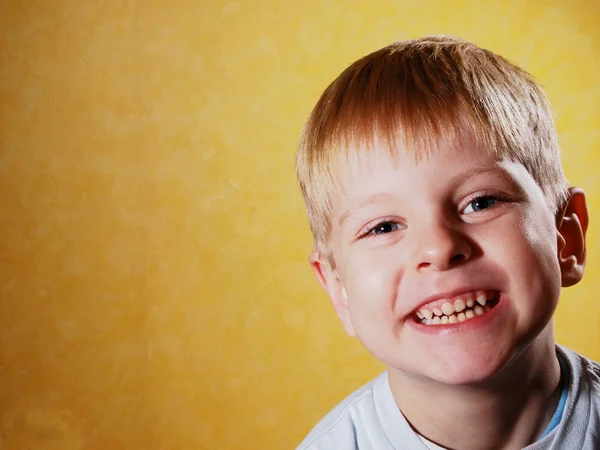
(475, 171)
(376, 198)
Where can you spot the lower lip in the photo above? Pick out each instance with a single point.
(470, 324)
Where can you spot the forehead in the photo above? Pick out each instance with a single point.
(374, 165)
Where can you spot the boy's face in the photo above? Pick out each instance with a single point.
(410, 237)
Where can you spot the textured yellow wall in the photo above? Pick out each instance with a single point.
(154, 290)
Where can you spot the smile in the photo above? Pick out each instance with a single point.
(458, 309)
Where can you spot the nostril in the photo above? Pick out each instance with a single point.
(458, 258)
(423, 265)
(448, 263)
(443, 255)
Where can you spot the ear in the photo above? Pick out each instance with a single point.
(330, 281)
(572, 224)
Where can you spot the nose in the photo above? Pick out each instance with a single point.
(441, 246)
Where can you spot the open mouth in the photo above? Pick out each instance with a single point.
(458, 309)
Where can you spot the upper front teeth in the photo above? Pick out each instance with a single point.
(463, 308)
(447, 308)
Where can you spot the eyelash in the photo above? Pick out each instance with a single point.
(489, 196)
(370, 232)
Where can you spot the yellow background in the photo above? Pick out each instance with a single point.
(154, 290)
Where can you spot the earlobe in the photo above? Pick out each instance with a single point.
(572, 224)
(332, 284)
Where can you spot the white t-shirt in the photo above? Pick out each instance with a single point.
(369, 419)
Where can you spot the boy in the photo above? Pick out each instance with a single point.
(444, 229)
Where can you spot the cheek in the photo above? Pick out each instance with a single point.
(372, 282)
(540, 233)
(373, 288)
(534, 256)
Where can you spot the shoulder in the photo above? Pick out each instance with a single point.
(591, 372)
(581, 420)
(586, 369)
(342, 426)
(592, 369)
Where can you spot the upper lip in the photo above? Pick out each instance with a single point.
(446, 294)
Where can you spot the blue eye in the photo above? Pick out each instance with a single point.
(384, 228)
(479, 204)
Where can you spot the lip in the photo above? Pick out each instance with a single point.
(471, 324)
(447, 295)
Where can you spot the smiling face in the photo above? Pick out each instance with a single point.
(410, 239)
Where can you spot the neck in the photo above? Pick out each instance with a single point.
(509, 412)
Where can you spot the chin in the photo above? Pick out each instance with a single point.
(464, 368)
(465, 376)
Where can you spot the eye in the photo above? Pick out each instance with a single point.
(480, 203)
(384, 228)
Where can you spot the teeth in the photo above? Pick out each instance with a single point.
(447, 308)
(466, 307)
(481, 298)
(470, 300)
(459, 305)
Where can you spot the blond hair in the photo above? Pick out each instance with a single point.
(412, 95)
